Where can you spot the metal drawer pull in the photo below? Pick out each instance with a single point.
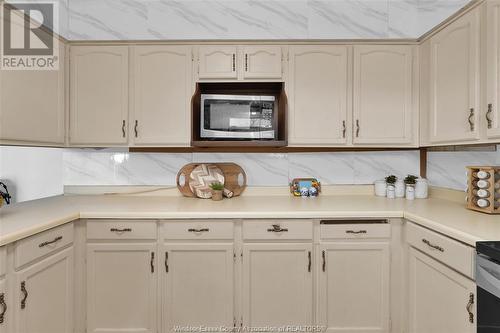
(469, 307)
(277, 228)
(234, 62)
(488, 119)
(135, 128)
(121, 230)
(357, 128)
(152, 262)
(470, 119)
(123, 128)
(323, 254)
(436, 247)
(343, 129)
(309, 265)
(57, 239)
(246, 62)
(25, 293)
(198, 230)
(355, 232)
(4, 307)
(166, 262)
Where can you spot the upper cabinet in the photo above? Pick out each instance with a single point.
(162, 89)
(383, 90)
(454, 101)
(231, 62)
(32, 105)
(492, 115)
(318, 93)
(98, 95)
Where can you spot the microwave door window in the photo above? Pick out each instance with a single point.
(230, 117)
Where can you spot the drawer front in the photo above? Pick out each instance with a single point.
(3, 260)
(355, 231)
(277, 229)
(121, 229)
(450, 252)
(37, 246)
(198, 230)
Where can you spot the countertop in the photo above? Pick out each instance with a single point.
(445, 216)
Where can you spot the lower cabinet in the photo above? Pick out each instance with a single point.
(440, 299)
(277, 284)
(121, 287)
(198, 286)
(354, 286)
(43, 295)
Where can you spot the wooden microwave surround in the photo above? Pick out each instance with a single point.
(276, 89)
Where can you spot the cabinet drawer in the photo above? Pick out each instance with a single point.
(121, 229)
(34, 247)
(452, 253)
(277, 229)
(355, 231)
(3, 260)
(198, 230)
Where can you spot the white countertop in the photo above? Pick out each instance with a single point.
(448, 217)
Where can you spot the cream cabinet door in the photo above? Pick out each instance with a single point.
(354, 287)
(32, 105)
(277, 284)
(383, 112)
(217, 62)
(98, 95)
(43, 300)
(121, 287)
(261, 62)
(5, 317)
(438, 297)
(454, 81)
(162, 91)
(492, 115)
(318, 92)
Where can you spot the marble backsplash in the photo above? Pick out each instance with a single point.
(250, 19)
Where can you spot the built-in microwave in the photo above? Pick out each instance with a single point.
(238, 117)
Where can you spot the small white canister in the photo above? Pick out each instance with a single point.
(410, 192)
(400, 188)
(380, 188)
(391, 192)
(422, 189)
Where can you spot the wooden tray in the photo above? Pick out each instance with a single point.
(231, 172)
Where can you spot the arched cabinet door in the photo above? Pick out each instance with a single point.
(262, 62)
(217, 62)
(383, 90)
(492, 114)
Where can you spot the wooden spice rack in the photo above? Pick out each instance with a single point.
(493, 189)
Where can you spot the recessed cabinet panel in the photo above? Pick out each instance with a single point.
(454, 81)
(198, 285)
(383, 111)
(162, 90)
(217, 62)
(99, 95)
(32, 105)
(43, 295)
(354, 287)
(277, 284)
(318, 93)
(262, 62)
(121, 287)
(440, 298)
(492, 115)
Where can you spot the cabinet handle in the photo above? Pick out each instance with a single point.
(246, 62)
(470, 119)
(120, 230)
(468, 307)
(488, 119)
(152, 262)
(57, 239)
(197, 231)
(323, 266)
(428, 243)
(234, 62)
(135, 127)
(357, 128)
(309, 264)
(123, 128)
(355, 232)
(4, 307)
(25, 293)
(277, 228)
(343, 129)
(166, 261)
